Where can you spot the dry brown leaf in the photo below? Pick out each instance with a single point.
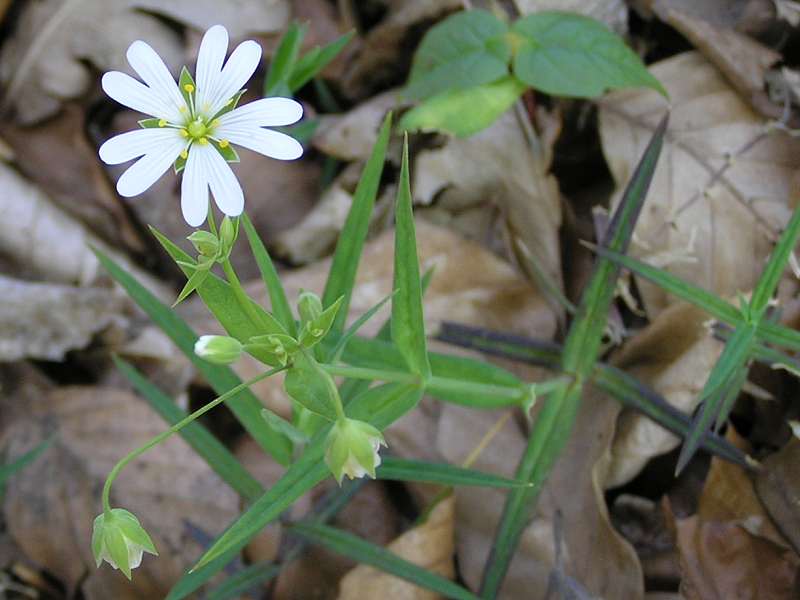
(498, 165)
(742, 60)
(51, 507)
(778, 487)
(429, 545)
(674, 356)
(593, 553)
(44, 321)
(45, 61)
(709, 218)
(788, 10)
(75, 181)
(613, 13)
(47, 242)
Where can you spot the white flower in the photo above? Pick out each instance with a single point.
(352, 449)
(119, 539)
(218, 349)
(193, 126)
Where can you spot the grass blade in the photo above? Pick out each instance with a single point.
(769, 279)
(316, 60)
(7, 470)
(208, 447)
(342, 275)
(245, 406)
(367, 553)
(277, 294)
(408, 324)
(581, 349)
(397, 469)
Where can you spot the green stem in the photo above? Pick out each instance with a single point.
(241, 295)
(177, 427)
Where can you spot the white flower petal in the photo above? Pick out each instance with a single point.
(237, 71)
(209, 65)
(267, 112)
(223, 183)
(148, 64)
(148, 169)
(134, 94)
(270, 143)
(194, 189)
(132, 144)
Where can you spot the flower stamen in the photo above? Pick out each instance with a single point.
(162, 122)
(224, 143)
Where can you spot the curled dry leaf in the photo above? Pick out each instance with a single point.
(429, 545)
(51, 507)
(47, 242)
(593, 554)
(673, 356)
(45, 62)
(778, 487)
(722, 186)
(44, 321)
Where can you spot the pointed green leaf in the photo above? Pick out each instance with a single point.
(398, 469)
(771, 276)
(195, 280)
(307, 67)
(7, 470)
(283, 60)
(342, 275)
(408, 324)
(245, 406)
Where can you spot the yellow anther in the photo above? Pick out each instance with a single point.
(182, 108)
(203, 141)
(184, 154)
(188, 87)
(162, 122)
(184, 133)
(214, 123)
(224, 143)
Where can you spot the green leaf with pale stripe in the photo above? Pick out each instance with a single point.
(367, 553)
(408, 324)
(398, 469)
(245, 406)
(207, 446)
(277, 294)
(347, 255)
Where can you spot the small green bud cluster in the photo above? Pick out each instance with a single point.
(119, 539)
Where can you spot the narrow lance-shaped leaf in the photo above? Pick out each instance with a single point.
(347, 255)
(771, 276)
(245, 406)
(283, 60)
(307, 67)
(555, 420)
(397, 469)
(408, 324)
(7, 470)
(367, 553)
(277, 294)
(208, 447)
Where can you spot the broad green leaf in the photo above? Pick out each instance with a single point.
(314, 61)
(581, 351)
(347, 255)
(283, 61)
(277, 295)
(408, 325)
(375, 556)
(398, 469)
(207, 446)
(307, 384)
(566, 54)
(463, 51)
(618, 384)
(7, 470)
(463, 112)
(245, 406)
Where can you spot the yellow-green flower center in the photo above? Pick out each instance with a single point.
(197, 129)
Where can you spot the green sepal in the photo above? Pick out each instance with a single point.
(179, 164)
(186, 78)
(315, 330)
(205, 242)
(97, 539)
(150, 123)
(228, 152)
(231, 104)
(282, 346)
(117, 548)
(132, 529)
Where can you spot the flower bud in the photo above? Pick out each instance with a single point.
(309, 306)
(228, 232)
(218, 349)
(281, 346)
(205, 242)
(315, 329)
(353, 449)
(119, 539)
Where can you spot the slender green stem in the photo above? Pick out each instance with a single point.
(371, 374)
(175, 428)
(241, 295)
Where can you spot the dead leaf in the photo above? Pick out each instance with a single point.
(51, 507)
(594, 555)
(76, 182)
(47, 242)
(778, 487)
(44, 321)
(429, 545)
(673, 355)
(741, 59)
(789, 11)
(709, 218)
(613, 13)
(45, 61)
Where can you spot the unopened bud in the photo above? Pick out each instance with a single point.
(119, 539)
(218, 349)
(205, 242)
(352, 449)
